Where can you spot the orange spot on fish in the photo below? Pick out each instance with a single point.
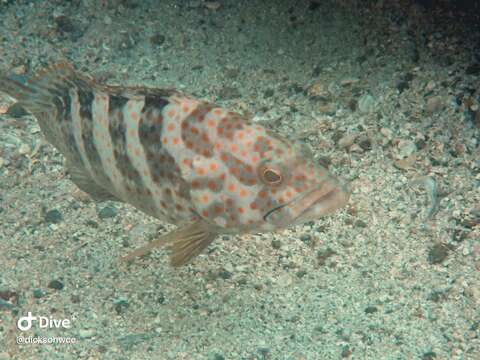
(195, 184)
(175, 141)
(186, 162)
(205, 198)
(201, 171)
(241, 210)
(165, 141)
(134, 116)
(131, 132)
(243, 193)
(171, 127)
(171, 113)
(212, 185)
(253, 206)
(217, 111)
(231, 187)
(211, 123)
(213, 166)
(205, 213)
(185, 108)
(137, 152)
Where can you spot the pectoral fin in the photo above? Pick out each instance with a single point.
(186, 242)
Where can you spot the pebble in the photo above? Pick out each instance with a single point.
(24, 149)
(406, 148)
(434, 104)
(38, 293)
(347, 140)
(157, 39)
(276, 244)
(53, 217)
(108, 211)
(143, 231)
(438, 253)
(56, 284)
(366, 103)
(86, 333)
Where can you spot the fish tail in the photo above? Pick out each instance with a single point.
(37, 93)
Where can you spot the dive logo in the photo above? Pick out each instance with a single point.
(25, 323)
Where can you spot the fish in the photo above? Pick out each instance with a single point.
(179, 159)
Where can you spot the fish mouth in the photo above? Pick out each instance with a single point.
(320, 202)
(312, 205)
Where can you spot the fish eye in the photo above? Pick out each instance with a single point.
(271, 176)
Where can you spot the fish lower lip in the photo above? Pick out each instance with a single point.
(333, 199)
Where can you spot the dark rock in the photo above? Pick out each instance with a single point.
(371, 310)
(107, 212)
(64, 24)
(323, 255)
(360, 224)
(276, 244)
(429, 356)
(301, 273)
(438, 253)
(38, 293)
(473, 69)
(224, 274)
(56, 284)
(229, 92)
(157, 39)
(53, 217)
(268, 93)
(218, 356)
(313, 5)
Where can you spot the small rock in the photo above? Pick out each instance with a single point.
(347, 140)
(229, 92)
(108, 211)
(38, 293)
(86, 333)
(24, 149)
(225, 275)
(366, 103)
(430, 86)
(434, 104)
(212, 5)
(64, 24)
(276, 244)
(157, 39)
(406, 148)
(268, 93)
(56, 284)
(438, 253)
(53, 217)
(121, 305)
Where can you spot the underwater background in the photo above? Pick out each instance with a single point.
(386, 94)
